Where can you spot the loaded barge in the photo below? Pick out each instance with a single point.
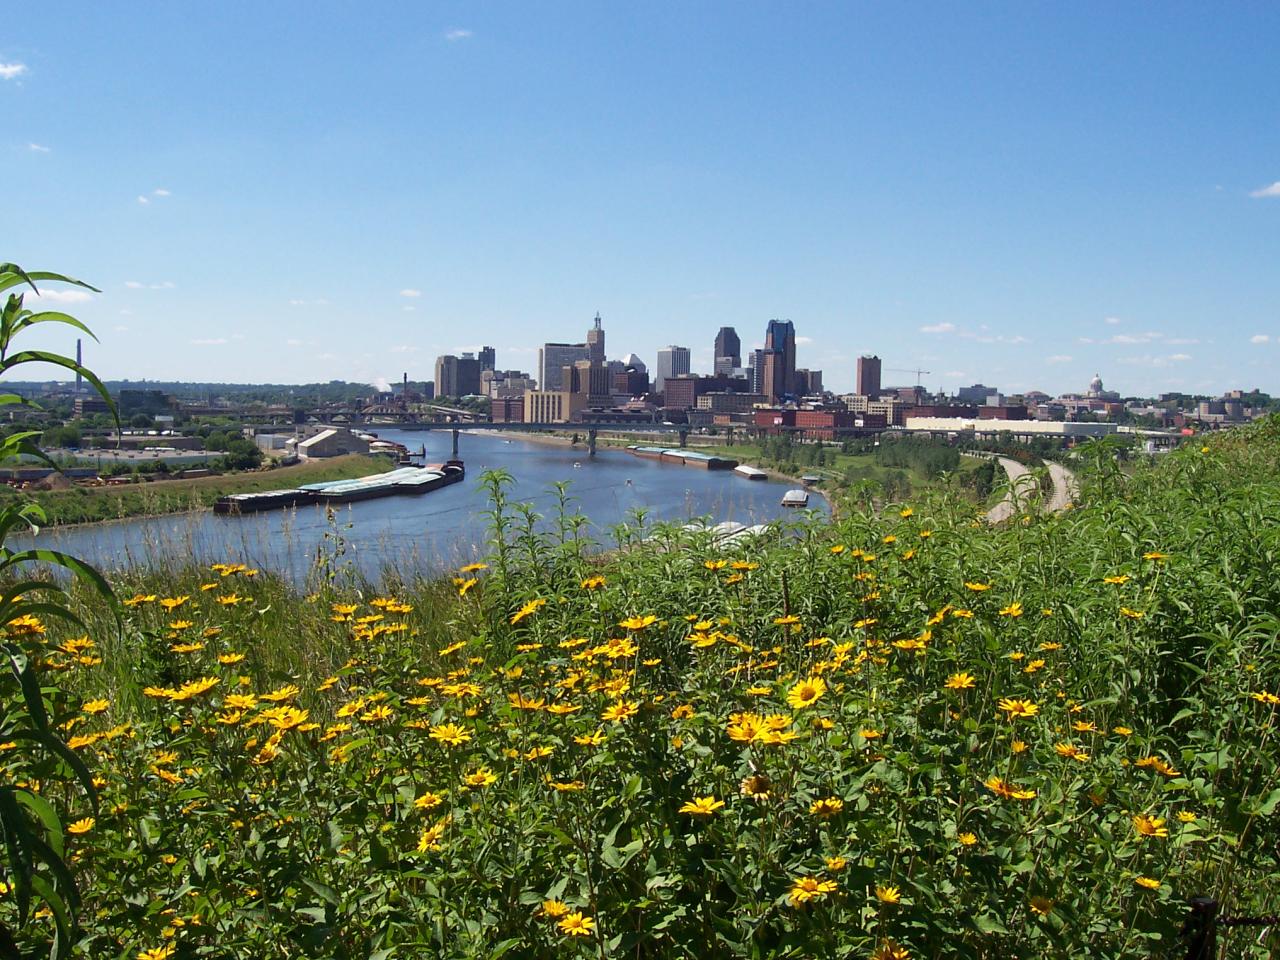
(404, 480)
(689, 458)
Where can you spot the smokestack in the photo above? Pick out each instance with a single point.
(79, 359)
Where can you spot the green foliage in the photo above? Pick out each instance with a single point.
(309, 774)
(34, 859)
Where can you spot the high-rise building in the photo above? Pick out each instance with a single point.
(728, 355)
(553, 358)
(595, 341)
(457, 376)
(757, 371)
(868, 376)
(488, 358)
(672, 361)
(779, 359)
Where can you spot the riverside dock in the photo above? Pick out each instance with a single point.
(405, 480)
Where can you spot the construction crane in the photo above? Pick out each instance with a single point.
(918, 372)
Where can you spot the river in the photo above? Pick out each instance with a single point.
(432, 532)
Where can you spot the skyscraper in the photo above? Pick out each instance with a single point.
(757, 371)
(554, 357)
(595, 341)
(728, 355)
(488, 358)
(868, 376)
(672, 361)
(779, 359)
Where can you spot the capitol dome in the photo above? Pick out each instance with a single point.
(1095, 385)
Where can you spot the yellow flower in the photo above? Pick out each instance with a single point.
(592, 583)
(1268, 698)
(1155, 555)
(888, 895)
(638, 623)
(620, 711)
(1122, 578)
(576, 925)
(484, 777)
(890, 950)
(682, 712)
(527, 609)
(1012, 610)
(1131, 614)
(1147, 826)
(787, 620)
(428, 801)
(966, 839)
(432, 835)
(960, 681)
(836, 864)
(95, 706)
(158, 953)
(464, 584)
(1041, 905)
(1071, 751)
(826, 807)
(473, 567)
(1147, 882)
(229, 659)
(806, 692)
(554, 908)
(1010, 791)
(702, 806)
(1018, 708)
(450, 734)
(804, 889)
(977, 587)
(81, 826)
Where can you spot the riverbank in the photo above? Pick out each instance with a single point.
(88, 505)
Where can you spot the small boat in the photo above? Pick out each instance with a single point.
(577, 465)
(751, 473)
(795, 498)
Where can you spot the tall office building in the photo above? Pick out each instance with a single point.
(868, 376)
(457, 376)
(595, 341)
(488, 358)
(757, 371)
(728, 355)
(779, 359)
(554, 357)
(672, 361)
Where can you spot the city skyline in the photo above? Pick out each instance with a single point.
(1012, 196)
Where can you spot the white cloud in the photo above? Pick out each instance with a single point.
(1182, 341)
(143, 200)
(139, 285)
(37, 148)
(9, 71)
(1059, 358)
(956, 375)
(160, 192)
(211, 342)
(120, 328)
(1112, 320)
(457, 34)
(1271, 191)
(1130, 338)
(410, 292)
(134, 284)
(64, 296)
(404, 348)
(939, 328)
(1260, 338)
(1084, 339)
(1148, 360)
(800, 341)
(317, 302)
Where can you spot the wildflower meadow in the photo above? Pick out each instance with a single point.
(901, 733)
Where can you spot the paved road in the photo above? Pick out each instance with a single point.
(1006, 507)
(1065, 490)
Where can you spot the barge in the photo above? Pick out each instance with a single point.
(688, 458)
(413, 480)
(751, 473)
(795, 498)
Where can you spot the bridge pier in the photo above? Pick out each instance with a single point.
(684, 439)
(591, 442)
(728, 437)
(455, 444)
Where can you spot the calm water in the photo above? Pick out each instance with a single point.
(435, 531)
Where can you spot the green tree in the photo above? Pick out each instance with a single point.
(31, 827)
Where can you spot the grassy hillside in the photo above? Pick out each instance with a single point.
(899, 735)
(88, 504)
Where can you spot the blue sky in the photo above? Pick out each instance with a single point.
(1020, 194)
